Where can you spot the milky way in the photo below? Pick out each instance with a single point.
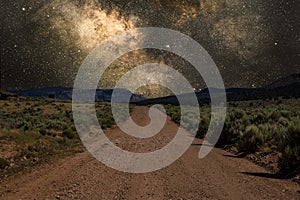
(44, 42)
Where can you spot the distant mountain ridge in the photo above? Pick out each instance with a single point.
(286, 87)
(289, 80)
(65, 93)
(5, 95)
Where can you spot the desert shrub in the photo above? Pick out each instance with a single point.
(3, 163)
(36, 105)
(62, 141)
(29, 111)
(59, 107)
(233, 104)
(238, 113)
(69, 133)
(27, 125)
(230, 133)
(34, 149)
(43, 132)
(257, 117)
(176, 116)
(240, 117)
(52, 134)
(37, 147)
(283, 121)
(290, 147)
(189, 121)
(105, 117)
(203, 125)
(73, 127)
(106, 122)
(251, 139)
(275, 115)
(56, 125)
(69, 114)
(174, 113)
(48, 101)
(285, 113)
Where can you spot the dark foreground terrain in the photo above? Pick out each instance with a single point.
(219, 176)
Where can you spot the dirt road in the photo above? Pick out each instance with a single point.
(218, 176)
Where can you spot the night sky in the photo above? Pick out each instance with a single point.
(44, 42)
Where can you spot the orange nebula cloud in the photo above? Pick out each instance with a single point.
(85, 24)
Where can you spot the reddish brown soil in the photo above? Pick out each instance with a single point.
(218, 176)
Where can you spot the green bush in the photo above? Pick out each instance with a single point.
(56, 124)
(290, 147)
(106, 122)
(283, 121)
(189, 121)
(69, 133)
(3, 163)
(43, 132)
(231, 132)
(251, 140)
(267, 128)
(203, 126)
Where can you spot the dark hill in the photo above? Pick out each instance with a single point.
(65, 93)
(289, 80)
(287, 87)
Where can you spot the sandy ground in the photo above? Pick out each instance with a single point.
(218, 176)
